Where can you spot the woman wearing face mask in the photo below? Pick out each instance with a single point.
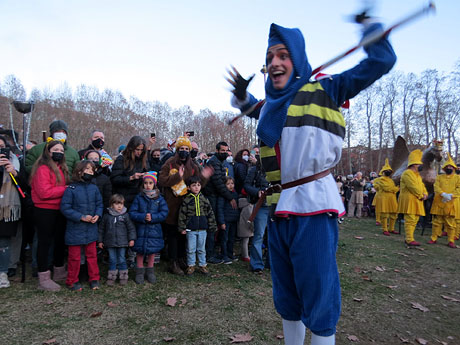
(49, 178)
(174, 172)
(386, 205)
(129, 168)
(242, 164)
(101, 180)
(447, 190)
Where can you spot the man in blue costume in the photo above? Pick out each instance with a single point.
(302, 130)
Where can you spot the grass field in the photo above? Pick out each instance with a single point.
(390, 295)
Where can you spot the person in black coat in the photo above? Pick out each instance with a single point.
(101, 180)
(129, 168)
(227, 219)
(242, 165)
(215, 188)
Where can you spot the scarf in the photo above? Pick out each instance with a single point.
(274, 113)
(151, 194)
(10, 203)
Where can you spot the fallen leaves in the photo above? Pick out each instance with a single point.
(357, 299)
(418, 306)
(50, 341)
(171, 301)
(450, 298)
(421, 341)
(169, 339)
(352, 338)
(367, 278)
(380, 269)
(392, 286)
(241, 338)
(112, 305)
(96, 314)
(359, 237)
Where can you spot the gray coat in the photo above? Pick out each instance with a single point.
(116, 229)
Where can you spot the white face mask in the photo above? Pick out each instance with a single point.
(230, 159)
(246, 158)
(60, 136)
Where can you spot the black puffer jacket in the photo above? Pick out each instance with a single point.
(216, 185)
(116, 229)
(120, 179)
(102, 182)
(255, 182)
(225, 211)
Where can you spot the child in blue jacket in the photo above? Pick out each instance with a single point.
(82, 205)
(147, 211)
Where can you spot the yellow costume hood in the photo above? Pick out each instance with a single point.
(449, 161)
(415, 157)
(385, 167)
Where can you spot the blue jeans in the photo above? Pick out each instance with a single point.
(4, 253)
(117, 258)
(255, 253)
(196, 243)
(227, 239)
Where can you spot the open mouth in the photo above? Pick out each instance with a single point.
(277, 75)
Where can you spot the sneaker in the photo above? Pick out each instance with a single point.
(4, 282)
(233, 258)
(377, 223)
(214, 261)
(451, 245)
(75, 287)
(413, 244)
(227, 261)
(394, 232)
(245, 259)
(189, 271)
(386, 233)
(431, 242)
(94, 285)
(444, 234)
(257, 270)
(203, 270)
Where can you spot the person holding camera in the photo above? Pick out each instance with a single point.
(10, 206)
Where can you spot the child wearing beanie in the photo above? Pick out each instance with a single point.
(147, 211)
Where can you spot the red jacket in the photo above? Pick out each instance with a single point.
(46, 192)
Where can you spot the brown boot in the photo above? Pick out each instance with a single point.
(175, 269)
(59, 274)
(45, 282)
(111, 277)
(123, 277)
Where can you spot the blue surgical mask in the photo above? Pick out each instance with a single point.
(59, 136)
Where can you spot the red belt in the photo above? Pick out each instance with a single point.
(277, 188)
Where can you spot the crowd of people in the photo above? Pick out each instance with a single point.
(379, 196)
(85, 208)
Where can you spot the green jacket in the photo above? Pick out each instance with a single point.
(71, 156)
(196, 213)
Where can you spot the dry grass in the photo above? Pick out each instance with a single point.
(209, 310)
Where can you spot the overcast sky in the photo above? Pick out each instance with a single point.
(177, 51)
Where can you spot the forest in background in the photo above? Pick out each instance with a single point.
(420, 108)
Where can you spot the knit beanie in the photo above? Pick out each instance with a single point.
(58, 125)
(152, 175)
(183, 141)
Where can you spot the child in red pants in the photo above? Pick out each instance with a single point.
(82, 206)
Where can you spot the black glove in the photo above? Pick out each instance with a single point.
(359, 18)
(241, 85)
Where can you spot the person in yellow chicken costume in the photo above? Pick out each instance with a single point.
(386, 205)
(457, 215)
(412, 194)
(375, 185)
(444, 208)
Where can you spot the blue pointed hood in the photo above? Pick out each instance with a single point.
(274, 112)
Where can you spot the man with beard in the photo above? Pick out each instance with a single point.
(215, 188)
(96, 144)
